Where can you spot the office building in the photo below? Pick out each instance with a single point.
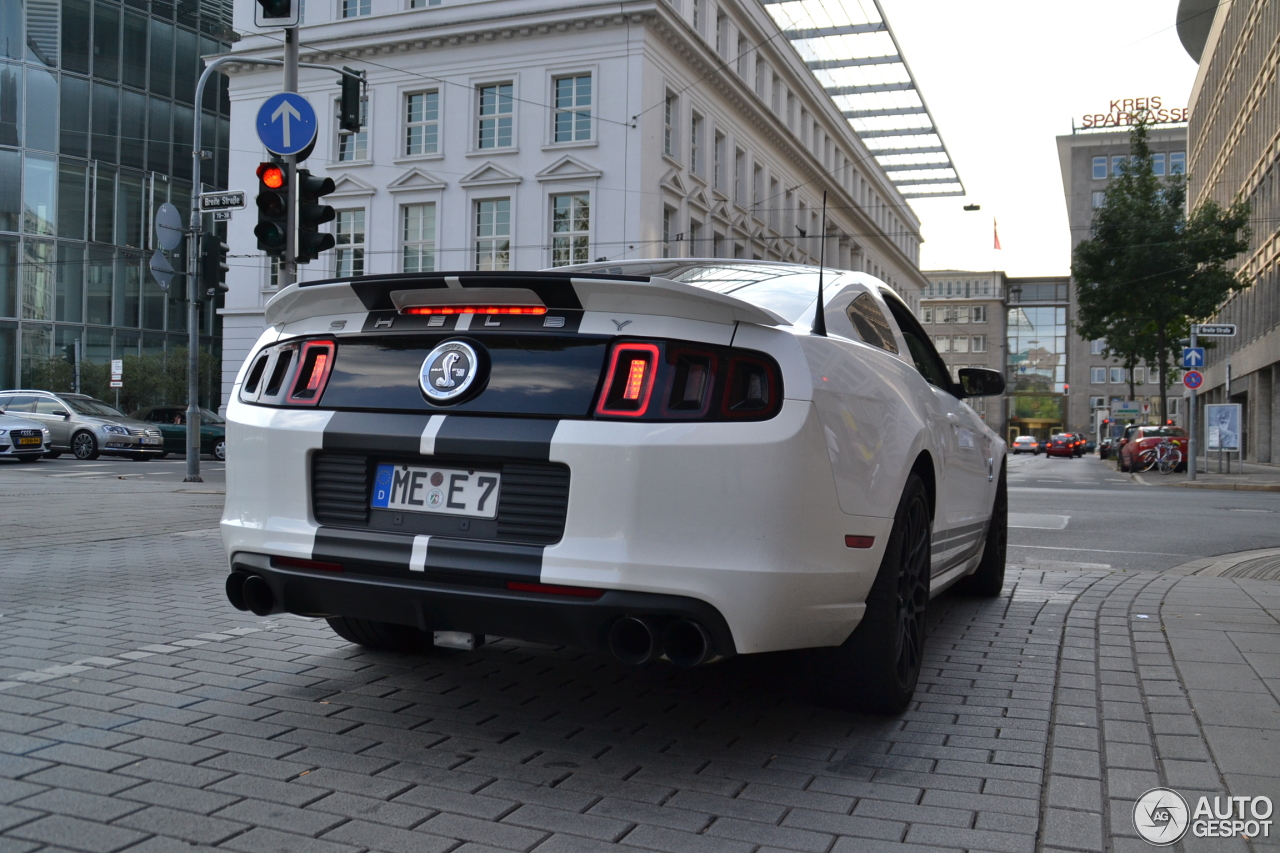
(1235, 110)
(514, 135)
(1088, 160)
(96, 121)
(964, 312)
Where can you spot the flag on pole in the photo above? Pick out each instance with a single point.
(995, 231)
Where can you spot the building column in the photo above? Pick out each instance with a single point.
(1262, 394)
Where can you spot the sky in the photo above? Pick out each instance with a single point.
(1002, 79)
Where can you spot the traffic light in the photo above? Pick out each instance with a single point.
(277, 13)
(312, 214)
(273, 208)
(1066, 390)
(349, 103)
(213, 265)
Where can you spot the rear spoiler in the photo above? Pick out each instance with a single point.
(607, 294)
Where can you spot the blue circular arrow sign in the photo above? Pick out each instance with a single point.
(286, 123)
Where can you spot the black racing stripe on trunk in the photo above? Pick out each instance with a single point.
(384, 550)
(508, 438)
(454, 556)
(372, 432)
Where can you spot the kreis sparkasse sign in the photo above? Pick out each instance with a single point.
(1123, 112)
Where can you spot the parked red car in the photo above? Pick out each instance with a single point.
(1142, 437)
(1062, 444)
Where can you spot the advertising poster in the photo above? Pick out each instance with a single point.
(1222, 425)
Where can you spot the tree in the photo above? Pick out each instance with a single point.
(1149, 268)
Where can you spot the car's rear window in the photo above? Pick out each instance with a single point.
(1164, 431)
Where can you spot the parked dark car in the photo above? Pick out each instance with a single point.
(172, 421)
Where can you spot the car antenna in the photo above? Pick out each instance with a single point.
(820, 313)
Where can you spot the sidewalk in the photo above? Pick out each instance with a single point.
(1256, 477)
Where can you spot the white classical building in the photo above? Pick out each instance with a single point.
(523, 134)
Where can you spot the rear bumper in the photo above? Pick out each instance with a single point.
(741, 517)
(553, 619)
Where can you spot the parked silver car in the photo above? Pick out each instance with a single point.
(22, 439)
(84, 426)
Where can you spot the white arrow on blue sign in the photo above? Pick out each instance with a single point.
(1193, 356)
(286, 123)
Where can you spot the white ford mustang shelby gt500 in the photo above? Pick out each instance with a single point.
(657, 458)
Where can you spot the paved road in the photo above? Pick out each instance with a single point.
(140, 713)
(1082, 514)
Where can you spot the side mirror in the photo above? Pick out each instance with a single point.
(64, 414)
(980, 382)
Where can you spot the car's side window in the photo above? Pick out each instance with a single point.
(46, 406)
(869, 322)
(925, 357)
(21, 404)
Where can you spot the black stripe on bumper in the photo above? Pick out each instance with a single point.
(374, 432)
(507, 438)
(460, 561)
(459, 435)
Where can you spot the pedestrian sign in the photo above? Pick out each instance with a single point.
(1193, 379)
(286, 123)
(1193, 356)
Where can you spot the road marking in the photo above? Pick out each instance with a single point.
(81, 474)
(1038, 522)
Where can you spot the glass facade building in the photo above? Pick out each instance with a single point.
(1036, 330)
(96, 121)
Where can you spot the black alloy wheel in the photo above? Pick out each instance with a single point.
(876, 669)
(84, 446)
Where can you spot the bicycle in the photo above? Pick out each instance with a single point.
(1164, 455)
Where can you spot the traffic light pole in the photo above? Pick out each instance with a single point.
(288, 267)
(289, 263)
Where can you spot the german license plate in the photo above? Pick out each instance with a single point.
(151, 440)
(30, 440)
(446, 491)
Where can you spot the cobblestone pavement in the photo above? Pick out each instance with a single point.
(139, 712)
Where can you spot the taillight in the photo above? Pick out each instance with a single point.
(749, 390)
(474, 309)
(674, 381)
(629, 383)
(315, 362)
(290, 374)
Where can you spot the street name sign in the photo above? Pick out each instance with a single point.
(286, 123)
(1193, 379)
(1193, 356)
(227, 200)
(1217, 330)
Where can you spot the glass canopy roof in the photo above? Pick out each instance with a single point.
(851, 50)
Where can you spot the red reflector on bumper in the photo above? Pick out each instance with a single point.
(295, 563)
(549, 589)
(859, 541)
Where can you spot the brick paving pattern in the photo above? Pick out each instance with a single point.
(139, 712)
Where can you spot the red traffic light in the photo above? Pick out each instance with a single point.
(271, 175)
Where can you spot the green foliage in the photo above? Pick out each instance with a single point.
(158, 379)
(1149, 269)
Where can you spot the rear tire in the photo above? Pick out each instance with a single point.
(28, 458)
(382, 636)
(877, 668)
(53, 454)
(988, 579)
